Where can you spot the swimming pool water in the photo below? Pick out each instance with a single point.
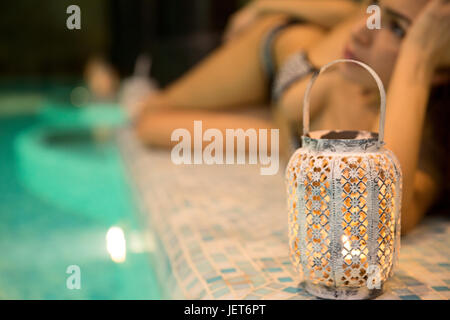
(39, 238)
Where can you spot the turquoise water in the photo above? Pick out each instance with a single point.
(49, 222)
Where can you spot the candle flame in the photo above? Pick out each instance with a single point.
(348, 247)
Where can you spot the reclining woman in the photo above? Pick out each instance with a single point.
(269, 39)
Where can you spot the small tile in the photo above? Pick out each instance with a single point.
(410, 297)
(441, 288)
(220, 292)
(239, 286)
(262, 291)
(285, 279)
(217, 284)
(291, 289)
(210, 280)
(275, 285)
(273, 269)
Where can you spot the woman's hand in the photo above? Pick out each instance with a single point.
(240, 20)
(429, 36)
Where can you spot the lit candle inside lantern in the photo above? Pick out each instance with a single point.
(348, 247)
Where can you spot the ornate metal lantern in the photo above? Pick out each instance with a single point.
(344, 198)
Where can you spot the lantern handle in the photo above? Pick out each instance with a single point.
(306, 98)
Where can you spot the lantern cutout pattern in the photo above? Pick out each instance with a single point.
(344, 204)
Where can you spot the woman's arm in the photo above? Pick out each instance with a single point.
(324, 13)
(425, 47)
(406, 107)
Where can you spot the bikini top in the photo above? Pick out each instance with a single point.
(296, 67)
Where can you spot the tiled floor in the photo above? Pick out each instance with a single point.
(223, 233)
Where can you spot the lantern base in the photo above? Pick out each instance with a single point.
(342, 293)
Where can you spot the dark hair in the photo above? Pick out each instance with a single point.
(437, 118)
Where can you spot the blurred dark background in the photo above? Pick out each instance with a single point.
(176, 33)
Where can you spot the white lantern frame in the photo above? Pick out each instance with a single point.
(344, 203)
